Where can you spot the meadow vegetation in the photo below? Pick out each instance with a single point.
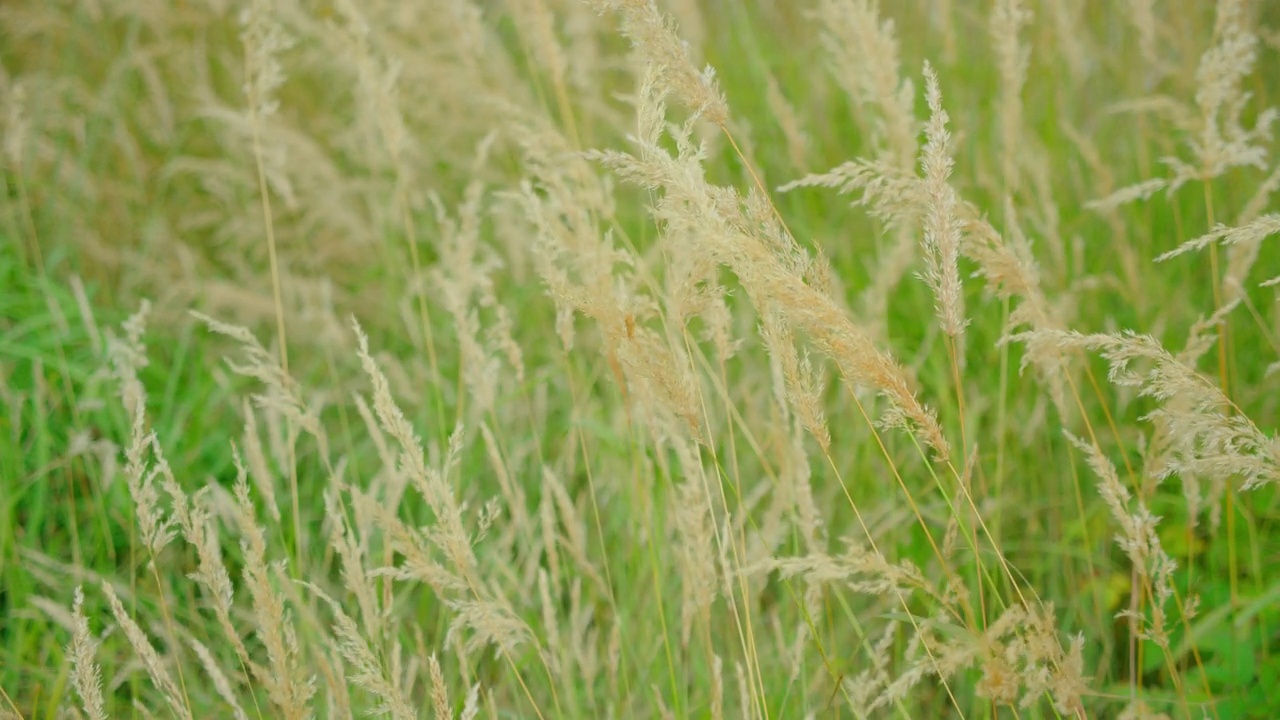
(639, 359)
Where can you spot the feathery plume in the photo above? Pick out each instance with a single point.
(1208, 434)
(155, 666)
(86, 676)
(1008, 17)
(941, 224)
(654, 37)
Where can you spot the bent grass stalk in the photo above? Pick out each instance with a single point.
(954, 361)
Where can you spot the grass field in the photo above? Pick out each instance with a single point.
(639, 359)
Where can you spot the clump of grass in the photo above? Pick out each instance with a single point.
(471, 359)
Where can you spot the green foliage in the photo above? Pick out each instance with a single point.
(820, 385)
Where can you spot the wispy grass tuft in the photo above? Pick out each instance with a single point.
(550, 358)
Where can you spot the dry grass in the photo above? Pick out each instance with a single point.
(627, 358)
